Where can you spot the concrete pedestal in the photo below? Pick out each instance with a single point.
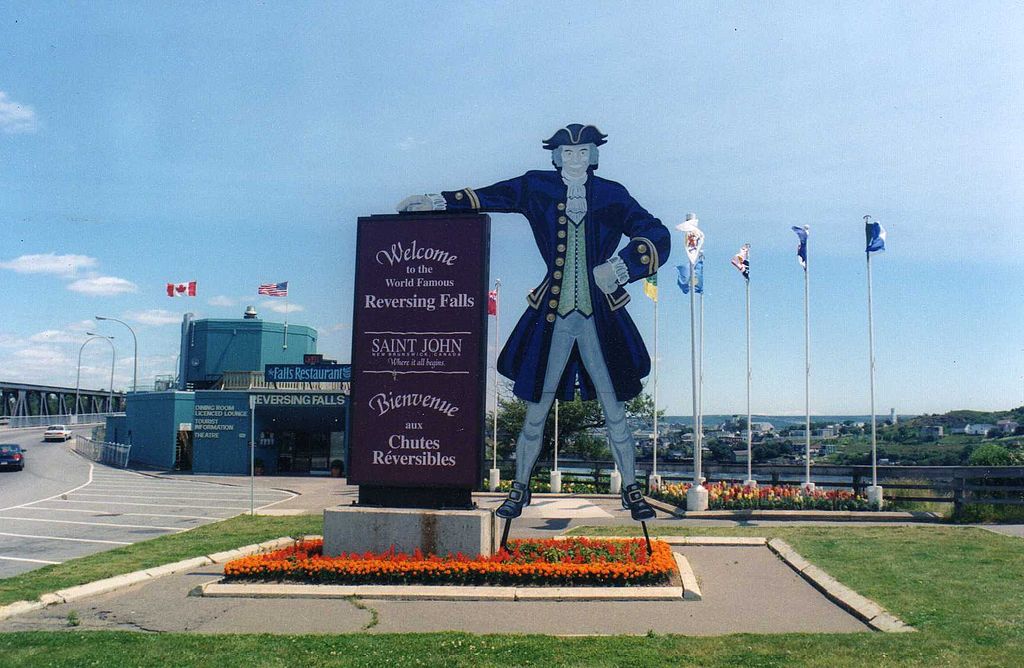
(697, 498)
(807, 488)
(875, 496)
(750, 483)
(615, 483)
(556, 482)
(494, 480)
(653, 483)
(357, 529)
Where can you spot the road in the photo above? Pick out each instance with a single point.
(62, 506)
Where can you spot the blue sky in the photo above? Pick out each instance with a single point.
(142, 143)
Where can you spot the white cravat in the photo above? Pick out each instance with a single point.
(576, 198)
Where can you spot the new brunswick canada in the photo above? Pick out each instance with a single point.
(497, 333)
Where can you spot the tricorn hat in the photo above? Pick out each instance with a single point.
(575, 134)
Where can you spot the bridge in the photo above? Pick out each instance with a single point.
(20, 400)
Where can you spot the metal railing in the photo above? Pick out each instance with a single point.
(112, 454)
(25, 421)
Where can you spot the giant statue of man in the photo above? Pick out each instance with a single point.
(575, 332)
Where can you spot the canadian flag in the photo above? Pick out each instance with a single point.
(181, 289)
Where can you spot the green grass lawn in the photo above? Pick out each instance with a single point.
(962, 588)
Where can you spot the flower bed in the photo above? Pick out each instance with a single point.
(569, 486)
(574, 561)
(731, 496)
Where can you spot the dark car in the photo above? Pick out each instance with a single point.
(11, 456)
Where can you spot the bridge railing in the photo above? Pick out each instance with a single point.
(112, 454)
(25, 421)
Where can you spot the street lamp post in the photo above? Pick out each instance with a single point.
(78, 379)
(135, 354)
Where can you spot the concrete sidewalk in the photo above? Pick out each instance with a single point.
(746, 590)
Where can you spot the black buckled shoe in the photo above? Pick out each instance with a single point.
(633, 499)
(517, 499)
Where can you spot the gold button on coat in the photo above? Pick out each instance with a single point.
(458, 195)
(561, 206)
(561, 234)
(641, 248)
(557, 275)
(553, 303)
(561, 248)
(559, 262)
(555, 289)
(551, 317)
(561, 220)
(646, 259)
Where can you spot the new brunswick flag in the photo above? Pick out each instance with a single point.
(651, 287)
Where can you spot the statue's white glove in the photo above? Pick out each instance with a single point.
(606, 278)
(421, 203)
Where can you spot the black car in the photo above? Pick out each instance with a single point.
(11, 456)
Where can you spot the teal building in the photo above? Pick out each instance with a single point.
(221, 404)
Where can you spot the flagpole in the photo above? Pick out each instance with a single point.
(693, 381)
(655, 461)
(700, 379)
(285, 347)
(495, 476)
(874, 492)
(750, 427)
(808, 485)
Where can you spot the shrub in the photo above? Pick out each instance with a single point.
(990, 454)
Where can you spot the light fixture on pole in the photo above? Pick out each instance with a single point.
(113, 359)
(135, 354)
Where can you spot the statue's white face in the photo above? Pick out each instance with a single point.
(575, 160)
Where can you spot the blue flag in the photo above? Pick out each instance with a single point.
(875, 234)
(801, 250)
(683, 281)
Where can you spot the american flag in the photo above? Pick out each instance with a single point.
(274, 289)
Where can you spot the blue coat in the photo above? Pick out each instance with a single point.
(611, 214)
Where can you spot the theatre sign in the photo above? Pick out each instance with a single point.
(418, 352)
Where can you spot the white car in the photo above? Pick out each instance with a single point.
(57, 432)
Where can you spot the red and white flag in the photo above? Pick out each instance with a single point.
(492, 302)
(181, 289)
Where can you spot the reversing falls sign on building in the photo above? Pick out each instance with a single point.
(418, 355)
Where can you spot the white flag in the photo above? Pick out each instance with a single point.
(694, 239)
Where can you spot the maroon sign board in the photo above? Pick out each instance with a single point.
(419, 358)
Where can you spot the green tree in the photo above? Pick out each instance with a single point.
(990, 454)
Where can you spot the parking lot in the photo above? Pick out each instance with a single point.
(107, 508)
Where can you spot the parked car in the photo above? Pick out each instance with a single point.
(57, 432)
(11, 456)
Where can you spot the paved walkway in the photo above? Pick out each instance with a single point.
(746, 590)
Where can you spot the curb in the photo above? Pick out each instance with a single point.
(861, 607)
(107, 585)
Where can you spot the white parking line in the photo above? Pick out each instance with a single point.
(100, 513)
(74, 540)
(158, 505)
(31, 561)
(169, 497)
(50, 498)
(96, 524)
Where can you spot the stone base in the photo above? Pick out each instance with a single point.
(697, 498)
(615, 483)
(875, 496)
(653, 483)
(494, 480)
(556, 482)
(751, 483)
(355, 529)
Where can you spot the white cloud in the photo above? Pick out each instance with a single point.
(221, 300)
(410, 143)
(16, 118)
(155, 317)
(49, 263)
(103, 286)
(55, 336)
(281, 307)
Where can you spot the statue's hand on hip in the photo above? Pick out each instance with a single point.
(606, 278)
